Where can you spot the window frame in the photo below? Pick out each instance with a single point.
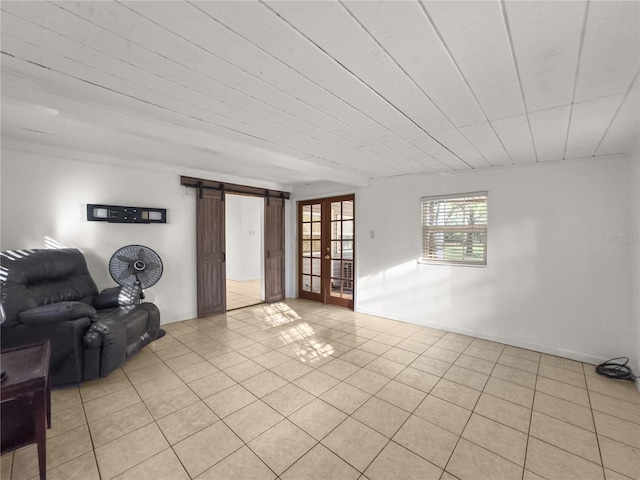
(483, 229)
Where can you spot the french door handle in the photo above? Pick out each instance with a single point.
(327, 257)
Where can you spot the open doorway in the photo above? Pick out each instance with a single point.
(244, 237)
(211, 242)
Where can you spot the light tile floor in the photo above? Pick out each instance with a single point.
(243, 294)
(299, 390)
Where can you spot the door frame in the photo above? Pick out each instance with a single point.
(273, 255)
(324, 296)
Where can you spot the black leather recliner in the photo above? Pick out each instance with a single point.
(50, 295)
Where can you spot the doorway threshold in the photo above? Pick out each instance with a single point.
(238, 307)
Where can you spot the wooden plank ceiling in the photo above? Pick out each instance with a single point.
(321, 91)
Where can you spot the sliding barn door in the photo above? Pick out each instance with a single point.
(211, 255)
(274, 250)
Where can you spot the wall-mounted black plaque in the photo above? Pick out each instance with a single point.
(117, 214)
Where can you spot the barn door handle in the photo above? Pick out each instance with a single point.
(268, 253)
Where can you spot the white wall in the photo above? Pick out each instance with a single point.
(552, 283)
(244, 236)
(47, 197)
(233, 235)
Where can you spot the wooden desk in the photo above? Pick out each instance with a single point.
(26, 400)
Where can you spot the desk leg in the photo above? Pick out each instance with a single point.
(40, 404)
(48, 404)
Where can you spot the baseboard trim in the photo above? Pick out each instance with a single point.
(559, 352)
(175, 318)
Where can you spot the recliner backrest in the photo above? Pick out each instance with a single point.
(31, 278)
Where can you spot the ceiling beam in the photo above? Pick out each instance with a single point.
(34, 97)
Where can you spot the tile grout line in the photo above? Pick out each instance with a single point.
(355, 419)
(390, 439)
(351, 415)
(595, 425)
(526, 450)
(576, 426)
(469, 419)
(155, 420)
(280, 421)
(221, 419)
(93, 446)
(245, 444)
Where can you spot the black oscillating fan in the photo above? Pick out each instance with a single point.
(136, 265)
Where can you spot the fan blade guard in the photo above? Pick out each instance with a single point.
(135, 262)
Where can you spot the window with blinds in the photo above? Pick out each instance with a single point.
(454, 229)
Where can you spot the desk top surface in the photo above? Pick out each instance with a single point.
(27, 368)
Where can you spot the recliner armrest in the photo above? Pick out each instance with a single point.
(56, 313)
(107, 339)
(117, 297)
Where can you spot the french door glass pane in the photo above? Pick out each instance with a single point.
(306, 213)
(347, 289)
(306, 266)
(347, 229)
(347, 210)
(335, 269)
(347, 250)
(336, 210)
(336, 233)
(347, 270)
(336, 250)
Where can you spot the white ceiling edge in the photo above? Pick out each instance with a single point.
(297, 191)
(78, 156)
(621, 156)
(320, 189)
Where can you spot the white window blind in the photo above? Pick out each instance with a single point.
(454, 229)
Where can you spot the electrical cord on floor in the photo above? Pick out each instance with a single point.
(620, 371)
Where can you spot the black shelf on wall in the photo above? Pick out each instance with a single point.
(118, 214)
